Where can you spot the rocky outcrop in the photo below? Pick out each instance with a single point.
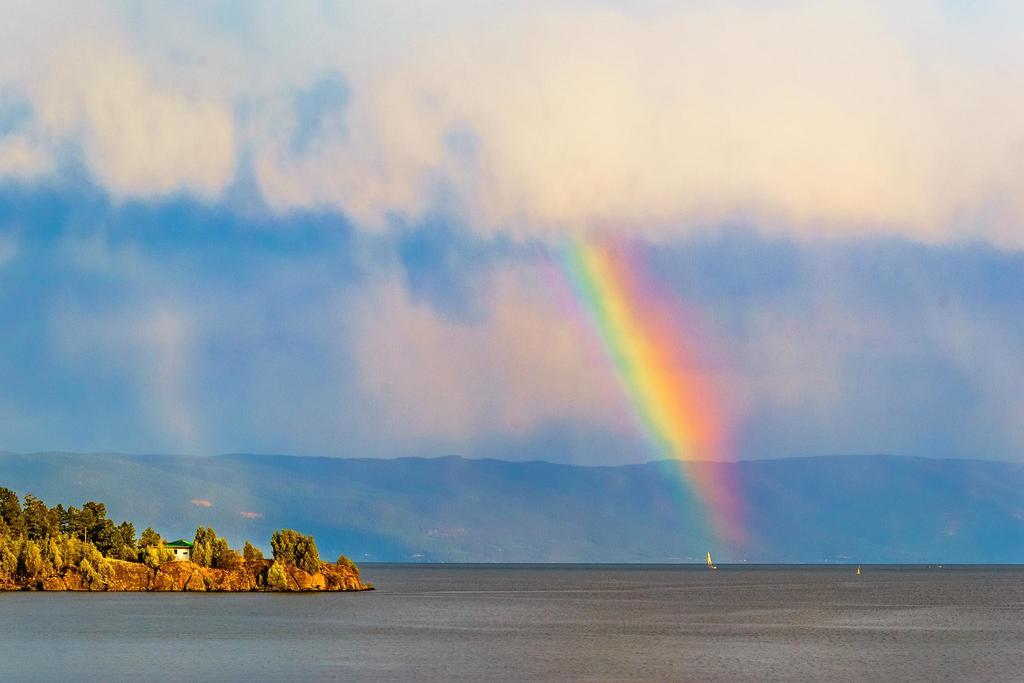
(118, 575)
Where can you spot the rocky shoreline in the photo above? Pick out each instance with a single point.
(122, 576)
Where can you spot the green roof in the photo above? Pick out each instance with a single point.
(180, 543)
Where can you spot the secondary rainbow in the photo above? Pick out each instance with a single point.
(641, 330)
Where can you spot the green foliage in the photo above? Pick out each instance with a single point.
(348, 564)
(150, 556)
(39, 541)
(90, 576)
(53, 555)
(9, 551)
(295, 549)
(202, 548)
(210, 550)
(127, 553)
(71, 550)
(277, 578)
(30, 562)
(251, 553)
(229, 559)
(10, 512)
(150, 538)
(91, 554)
(220, 552)
(106, 570)
(155, 555)
(38, 522)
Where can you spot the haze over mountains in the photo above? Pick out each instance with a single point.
(867, 508)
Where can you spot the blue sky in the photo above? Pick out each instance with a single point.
(328, 230)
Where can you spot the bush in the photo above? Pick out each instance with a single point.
(277, 578)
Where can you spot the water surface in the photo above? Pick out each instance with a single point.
(553, 622)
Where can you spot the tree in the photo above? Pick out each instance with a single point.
(53, 555)
(348, 564)
(89, 521)
(295, 549)
(202, 546)
(30, 563)
(10, 512)
(277, 578)
(90, 576)
(229, 559)
(220, 553)
(126, 535)
(105, 536)
(149, 538)
(38, 523)
(251, 553)
(9, 552)
(155, 555)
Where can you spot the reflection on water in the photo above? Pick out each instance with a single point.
(542, 623)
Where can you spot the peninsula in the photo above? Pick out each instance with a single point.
(81, 549)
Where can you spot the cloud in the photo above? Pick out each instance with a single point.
(137, 138)
(587, 119)
(95, 98)
(823, 119)
(251, 515)
(201, 502)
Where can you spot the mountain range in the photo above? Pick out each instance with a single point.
(855, 508)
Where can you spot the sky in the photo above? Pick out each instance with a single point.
(339, 228)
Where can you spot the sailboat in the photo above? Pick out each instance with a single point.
(711, 565)
(858, 570)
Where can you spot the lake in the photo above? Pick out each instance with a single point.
(541, 622)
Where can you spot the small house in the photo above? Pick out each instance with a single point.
(181, 548)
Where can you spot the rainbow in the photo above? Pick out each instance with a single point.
(671, 396)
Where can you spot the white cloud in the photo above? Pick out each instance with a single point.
(827, 118)
(137, 138)
(97, 94)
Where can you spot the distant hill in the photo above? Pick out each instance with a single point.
(870, 508)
